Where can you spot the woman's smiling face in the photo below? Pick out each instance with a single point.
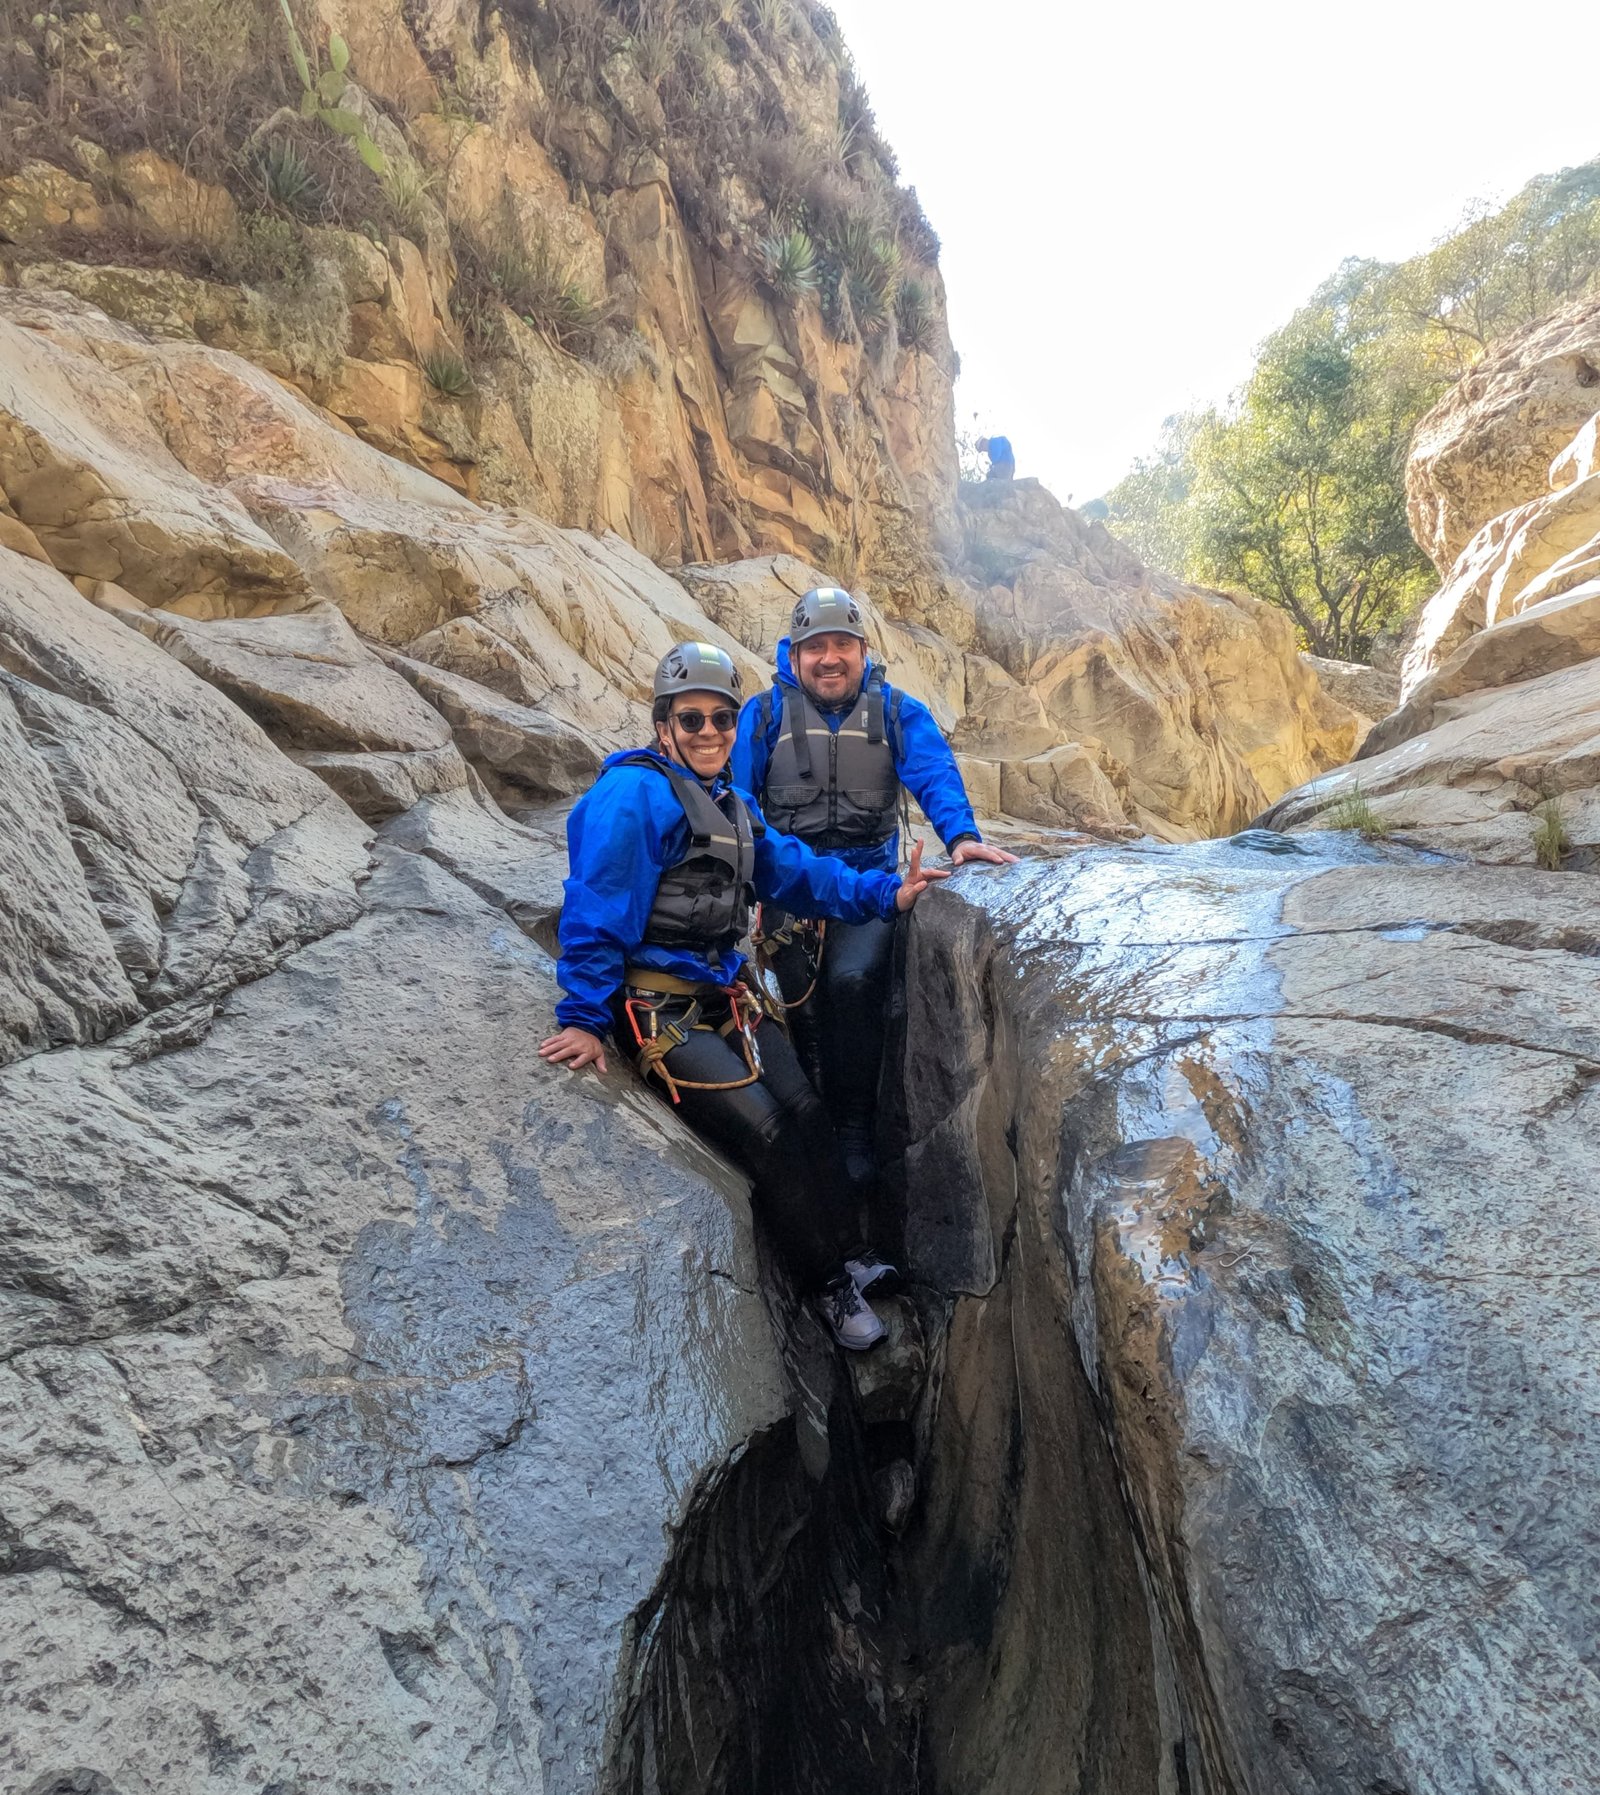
(704, 751)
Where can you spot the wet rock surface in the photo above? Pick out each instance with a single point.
(1290, 1159)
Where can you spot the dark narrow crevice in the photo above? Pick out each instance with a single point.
(928, 1583)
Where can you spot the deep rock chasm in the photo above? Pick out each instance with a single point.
(381, 1411)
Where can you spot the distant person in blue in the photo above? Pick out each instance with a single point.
(667, 860)
(827, 751)
(1002, 462)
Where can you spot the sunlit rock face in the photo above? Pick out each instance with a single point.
(1291, 1157)
(1193, 703)
(1484, 448)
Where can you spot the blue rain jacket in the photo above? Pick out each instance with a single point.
(625, 831)
(922, 758)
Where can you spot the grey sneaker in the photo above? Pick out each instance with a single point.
(869, 1272)
(849, 1317)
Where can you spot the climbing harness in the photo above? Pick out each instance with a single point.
(644, 989)
(792, 931)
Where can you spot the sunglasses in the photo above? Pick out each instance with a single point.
(692, 722)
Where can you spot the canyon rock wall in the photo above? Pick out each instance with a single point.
(1284, 1161)
(208, 504)
(571, 210)
(629, 285)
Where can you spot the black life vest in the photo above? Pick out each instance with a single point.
(704, 901)
(832, 788)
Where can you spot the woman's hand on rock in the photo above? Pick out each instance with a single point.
(917, 879)
(574, 1047)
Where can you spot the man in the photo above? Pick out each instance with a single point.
(826, 753)
(666, 860)
(1002, 462)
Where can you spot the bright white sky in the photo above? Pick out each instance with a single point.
(1132, 195)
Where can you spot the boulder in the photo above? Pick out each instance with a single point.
(179, 208)
(379, 785)
(1279, 1168)
(1063, 788)
(516, 866)
(539, 753)
(1371, 692)
(83, 468)
(1475, 775)
(161, 846)
(1486, 447)
(306, 678)
(1543, 638)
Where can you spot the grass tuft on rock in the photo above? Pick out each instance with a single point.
(1551, 842)
(1353, 810)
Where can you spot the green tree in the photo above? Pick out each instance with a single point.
(1295, 490)
(1297, 493)
(1149, 505)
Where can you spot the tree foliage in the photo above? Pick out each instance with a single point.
(1295, 489)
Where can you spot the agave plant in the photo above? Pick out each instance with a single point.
(772, 19)
(789, 261)
(409, 192)
(288, 180)
(870, 262)
(447, 374)
(914, 315)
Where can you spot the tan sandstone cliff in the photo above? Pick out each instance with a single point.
(545, 366)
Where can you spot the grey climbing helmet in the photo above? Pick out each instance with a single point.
(695, 667)
(826, 608)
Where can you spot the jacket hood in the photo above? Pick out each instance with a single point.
(784, 661)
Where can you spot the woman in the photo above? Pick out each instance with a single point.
(666, 861)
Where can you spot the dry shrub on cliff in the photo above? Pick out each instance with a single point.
(185, 77)
(911, 226)
(1551, 842)
(772, 19)
(528, 278)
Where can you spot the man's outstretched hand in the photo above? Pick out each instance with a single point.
(574, 1047)
(917, 879)
(968, 851)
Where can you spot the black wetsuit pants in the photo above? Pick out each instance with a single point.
(775, 1130)
(840, 1030)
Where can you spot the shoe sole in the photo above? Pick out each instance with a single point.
(862, 1345)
